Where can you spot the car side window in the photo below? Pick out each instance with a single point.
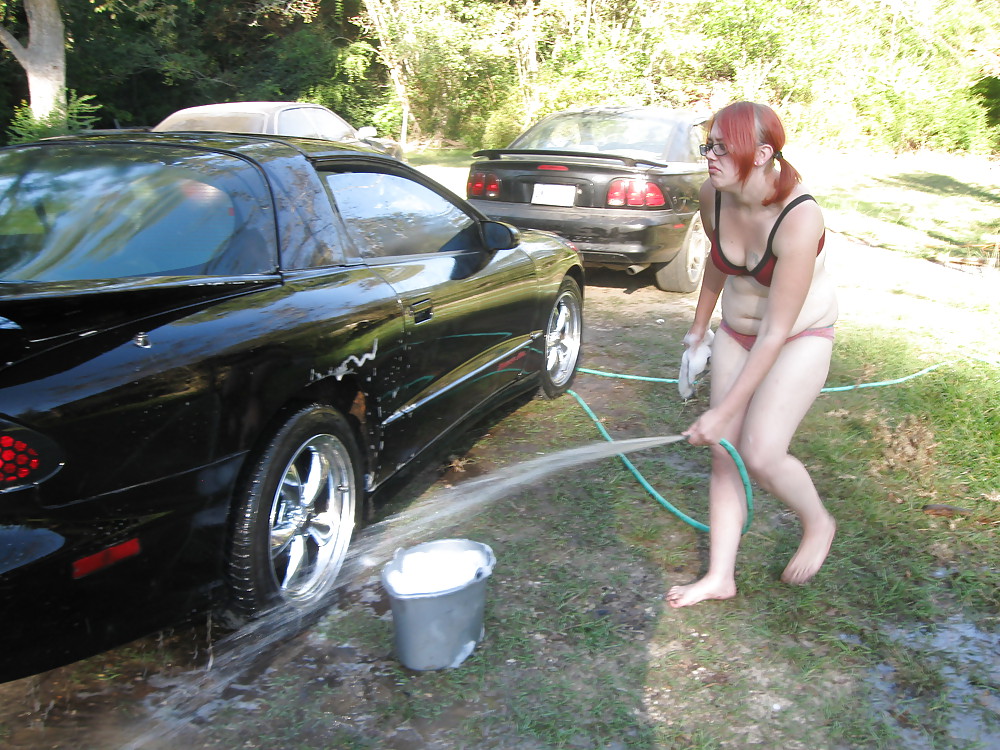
(389, 215)
(296, 122)
(330, 126)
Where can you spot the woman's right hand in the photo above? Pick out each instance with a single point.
(708, 429)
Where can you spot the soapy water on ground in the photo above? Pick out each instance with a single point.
(198, 695)
(968, 661)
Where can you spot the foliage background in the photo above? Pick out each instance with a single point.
(890, 74)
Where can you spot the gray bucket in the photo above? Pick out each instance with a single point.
(438, 596)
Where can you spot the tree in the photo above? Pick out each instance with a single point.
(43, 56)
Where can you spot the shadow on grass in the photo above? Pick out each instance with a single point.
(936, 206)
(940, 185)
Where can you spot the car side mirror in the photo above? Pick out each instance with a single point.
(500, 236)
(367, 132)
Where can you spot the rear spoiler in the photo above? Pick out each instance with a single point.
(497, 153)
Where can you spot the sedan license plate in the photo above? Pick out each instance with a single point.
(553, 195)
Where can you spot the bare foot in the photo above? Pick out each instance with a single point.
(812, 551)
(692, 593)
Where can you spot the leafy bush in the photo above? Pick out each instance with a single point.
(77, 114)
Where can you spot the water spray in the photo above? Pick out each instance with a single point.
(740, 466)
(198, 694)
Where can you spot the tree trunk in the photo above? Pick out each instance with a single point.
(43, 57)
(381, 14)
(527, 60)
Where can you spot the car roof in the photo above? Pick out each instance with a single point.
(245, 107)
(258, 147)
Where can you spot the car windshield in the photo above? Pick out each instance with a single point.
(630, 133)
(107, 211)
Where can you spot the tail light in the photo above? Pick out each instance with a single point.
(26, 457)
(631, 192)
(483, 185)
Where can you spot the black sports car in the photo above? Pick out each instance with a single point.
(216, 349)
(620, 182)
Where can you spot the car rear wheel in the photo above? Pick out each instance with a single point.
(683, 273)
(298, 510)
(563, 339)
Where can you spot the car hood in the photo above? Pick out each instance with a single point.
(38, 317)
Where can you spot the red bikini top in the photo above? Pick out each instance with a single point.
(764, 270)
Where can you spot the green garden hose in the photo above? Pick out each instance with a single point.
(741, 467)
(724, 443)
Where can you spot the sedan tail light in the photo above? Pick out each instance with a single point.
(632, 192)
(26, 457)
(483, 185)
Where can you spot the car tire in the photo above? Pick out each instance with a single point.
(683, 273)
(296, 514)
(563, 339)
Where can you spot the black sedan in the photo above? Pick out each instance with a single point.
(217, 350)
(620, 182)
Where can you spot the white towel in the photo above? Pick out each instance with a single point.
(693, 362)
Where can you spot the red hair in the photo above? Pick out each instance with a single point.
(746, 125)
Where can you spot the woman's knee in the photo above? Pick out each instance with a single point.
(761, 461)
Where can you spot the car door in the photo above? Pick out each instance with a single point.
(469, 311)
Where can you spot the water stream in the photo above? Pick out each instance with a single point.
(199, 694)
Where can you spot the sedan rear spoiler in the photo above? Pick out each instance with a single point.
(497, 153)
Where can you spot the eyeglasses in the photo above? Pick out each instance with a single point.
(719, 149)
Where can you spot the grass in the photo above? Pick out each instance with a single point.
(920, 204)
(444, 157)
(557, 601)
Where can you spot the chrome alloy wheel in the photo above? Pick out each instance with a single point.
(564, 336)
(312, 519)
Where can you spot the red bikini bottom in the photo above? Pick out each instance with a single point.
(746, 340)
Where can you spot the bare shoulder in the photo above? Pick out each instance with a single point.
(802, 226)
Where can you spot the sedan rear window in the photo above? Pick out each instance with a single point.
(639, 134)
(112, 211)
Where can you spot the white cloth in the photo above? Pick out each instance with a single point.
(693, 362)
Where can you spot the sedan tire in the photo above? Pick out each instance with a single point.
(683, 273)
(297, 513)
(563, 339)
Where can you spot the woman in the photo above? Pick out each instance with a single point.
(771, 354)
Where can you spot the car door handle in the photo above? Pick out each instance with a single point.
(422, 310)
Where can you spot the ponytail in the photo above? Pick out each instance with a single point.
(788, 178)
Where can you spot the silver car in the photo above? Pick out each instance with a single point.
(275, 118)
